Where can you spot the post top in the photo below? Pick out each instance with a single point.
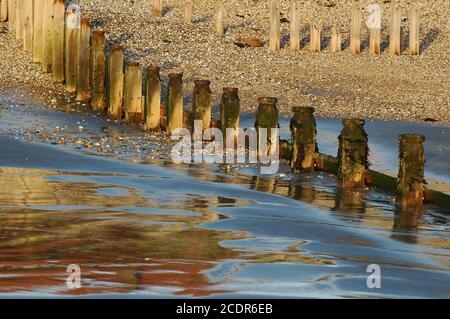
(132, 63)
(98, 32)
(353, 122)
(116, 47)
(303, 109)
(86, 22)
(268, 100)
(175, 75)
(202, 82)
(230, 90)
(153, 69)
(411, 138)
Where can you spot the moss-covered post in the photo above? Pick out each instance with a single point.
(201, 103)
(11, 15)
(175, 102)
(84, 62)
(266, 118)
(414, 26)
(37, 31)
(411, 174)
(133, 92)
(115, 81)
(58, 40)
(47, 36)
(229, 110)
(98, 72)
(355, 32)
(71, 47)
(274, 40)
(353, 154)
(153, 99)
(303, 134)
(395, 41)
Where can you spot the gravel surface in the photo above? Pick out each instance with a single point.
(336, 84)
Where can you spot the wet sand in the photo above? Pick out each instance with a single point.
(142, 227)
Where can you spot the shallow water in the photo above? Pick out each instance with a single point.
(150, 228)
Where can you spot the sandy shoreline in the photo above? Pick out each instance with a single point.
(337, 85)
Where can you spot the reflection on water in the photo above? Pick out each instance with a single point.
(214, 233)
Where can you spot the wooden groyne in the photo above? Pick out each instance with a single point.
(95, 71)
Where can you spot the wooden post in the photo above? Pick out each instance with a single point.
(414, 25)
(187, 13)
(98, 71)
(175, 102)
(316, 38)
(71, 47)
(84, 59)
(20, 19)
(411, 180)
(58, 40)
(28, 26)
(153, 100)
(266, 118)
(219, 21)
(395, 45)
(274, 41)
(11, 15)
(115, 81)
(353, 154)
(374, 24)
(201, 103)
(37, 31)
(133, 93)
(336, 41)
(375, 41)
(303, 132)
(294, 28)
(157, 8)
(47, 36)
(4, 10)
(229, 110)
(355, 33)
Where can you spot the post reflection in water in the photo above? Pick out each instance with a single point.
(406, 223)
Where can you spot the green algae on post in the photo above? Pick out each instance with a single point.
(353, 154)
(229, 111)
(411, 173)
(266, 118)
(201, 103)
(304, 146)
(152, 112)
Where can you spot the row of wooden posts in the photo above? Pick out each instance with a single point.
(64, 44)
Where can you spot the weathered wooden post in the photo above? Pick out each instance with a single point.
(294, 28)
(115, 81)
(187, 13)
(11, 15)
(133, 93)
(157, 8)
(28, 26)
(37, 31)
(98, 75)
(411, 162)
(414, 25)
(353, 154)
(266, 118)
(58, 40)
(395, 44)
(71, 47)
(355, 32)
(303, 132)
(374, 24)
(219, 21)
(84, 58)
(47, 36)
(175, 102)
(4, 10)
(375, 41)
(336, 40)
(201, 103)
(274, 41)
(153, 99)
(229, 110)
(20, 19)
(316, 38)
